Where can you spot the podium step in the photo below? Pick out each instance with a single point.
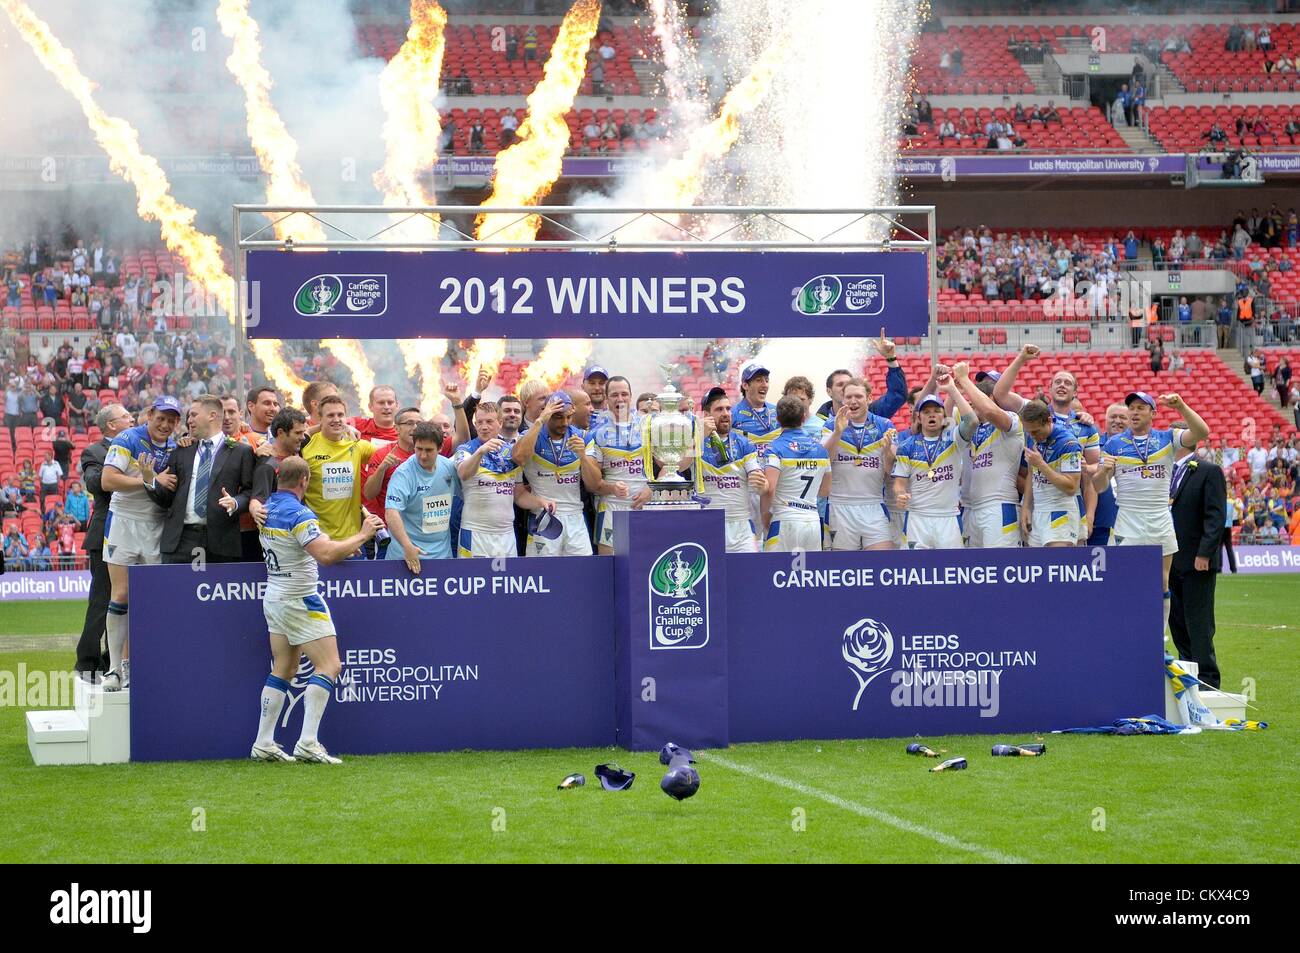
(57, 737)
(107, 716)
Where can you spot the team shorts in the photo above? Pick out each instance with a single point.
(786, 536)
(1054, 526)
(299, 619)
(1146, 529)
(859, 525)
(572, 541)
(131, 542)
(992, 526)
(931, 532)
(476, 542)
(605, 522)
(896, 525)
(741, 537)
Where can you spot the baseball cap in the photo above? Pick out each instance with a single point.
(561, 398)
(614, 778)
(593, 371)
(547, 526)
(1142, 396)
(991, 375)
(749, 371)
(927, 400)
(169, 403)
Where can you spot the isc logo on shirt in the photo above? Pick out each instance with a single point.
(679, 598)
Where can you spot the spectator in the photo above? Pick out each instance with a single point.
(1157, 349)
(1240, 242)
(530, 44)
(924, 112)
(16, 550)
(509, 123)
(597, 73)
(27, 481)
(28, 405)
(591, 130)
(1282, 381)
(1257, 460)
(51, 475)
(610, 130)
(77, 505)
(1051, 114)
(476, 137)
(606, 51)
(41, 557)
(11, 497)
(63, 448)
(52, 404)
(1264, 39)
(948, 131)
(1255, 370)
(65, 530)
(512, 46)
(79, 412)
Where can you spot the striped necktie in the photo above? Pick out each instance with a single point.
(201, 479)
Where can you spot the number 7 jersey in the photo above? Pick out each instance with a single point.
(801, 462)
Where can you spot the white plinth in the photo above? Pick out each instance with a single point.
(107, 716)
(57, 737)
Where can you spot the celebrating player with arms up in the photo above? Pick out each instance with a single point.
(297, 618)
(1051, 509)
(729, 470)
(798, 472)
(992, 519)
(861, 449)
(491, 483)
(1141, 460)
(927, 472)
(551, 455)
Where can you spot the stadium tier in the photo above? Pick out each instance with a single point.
(1187, 128)
(1081, 128)
(986, 67)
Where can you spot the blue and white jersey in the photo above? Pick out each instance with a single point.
(125, 453)
(801, 462)
(1144, 470)
(932, 466)
(489, 492)
(725, 465)
(857, 460)
(1061, 452)
(555, 472)
(291, 571)
(757, 423)
(990, 474)
(617, 448)
(423, 498)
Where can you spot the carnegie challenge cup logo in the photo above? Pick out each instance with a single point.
(679, 598)
(868, 647)
(362, 295)
(857, 295)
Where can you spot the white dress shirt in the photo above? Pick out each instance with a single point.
(192, 516)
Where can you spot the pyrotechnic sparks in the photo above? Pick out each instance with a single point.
(424, 358)
(276, 150)
(408, 87)
(559, 360)
(154, 202)
(278, 371)
(352, 357)
(681, 72)
(527, 169)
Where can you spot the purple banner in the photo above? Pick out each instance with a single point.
(839, 645)
(58, 584)
(466, 294)
(1262, 559)
(1121, 164)
(461, 656)
(670, 583)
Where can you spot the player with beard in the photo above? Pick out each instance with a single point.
(1062, 393)
(551, 455)
(595, 380)
(861, 449)
(379, 470)
(730, 472)
(927, 470)
(989, 490)
(614, 467)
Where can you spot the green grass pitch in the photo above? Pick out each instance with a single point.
(1213, 797)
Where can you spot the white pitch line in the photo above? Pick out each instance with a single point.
(862, 810)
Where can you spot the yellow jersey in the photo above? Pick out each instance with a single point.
(334, 491)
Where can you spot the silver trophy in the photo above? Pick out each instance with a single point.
(672, 438)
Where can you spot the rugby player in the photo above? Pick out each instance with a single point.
(594, 381)
(380, 427)
(379, 470)
(889, 403)
(752, 415)
(1062, 393)
(337, 461)
(1103, 521)
(614, 467)
(797, 470)
(418, 502)
(297, 618)
(991, 518)
(491, 484)
(551, 456)
(136, 462)
(263, 404)
(287, 430)
(1055, 460)
(730, 472)
(1141, 461)
(927, 470)
(860, 445)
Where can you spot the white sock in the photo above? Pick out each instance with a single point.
(319, 689)
(1167, 603)
(116, 627)
(273, 695)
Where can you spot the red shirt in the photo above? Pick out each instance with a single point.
(371, 431)
(376, 504)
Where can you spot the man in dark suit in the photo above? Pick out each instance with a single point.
(1198, 497)
(112, 420)
(214, 482)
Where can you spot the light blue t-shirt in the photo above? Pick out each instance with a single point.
(424, 499)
